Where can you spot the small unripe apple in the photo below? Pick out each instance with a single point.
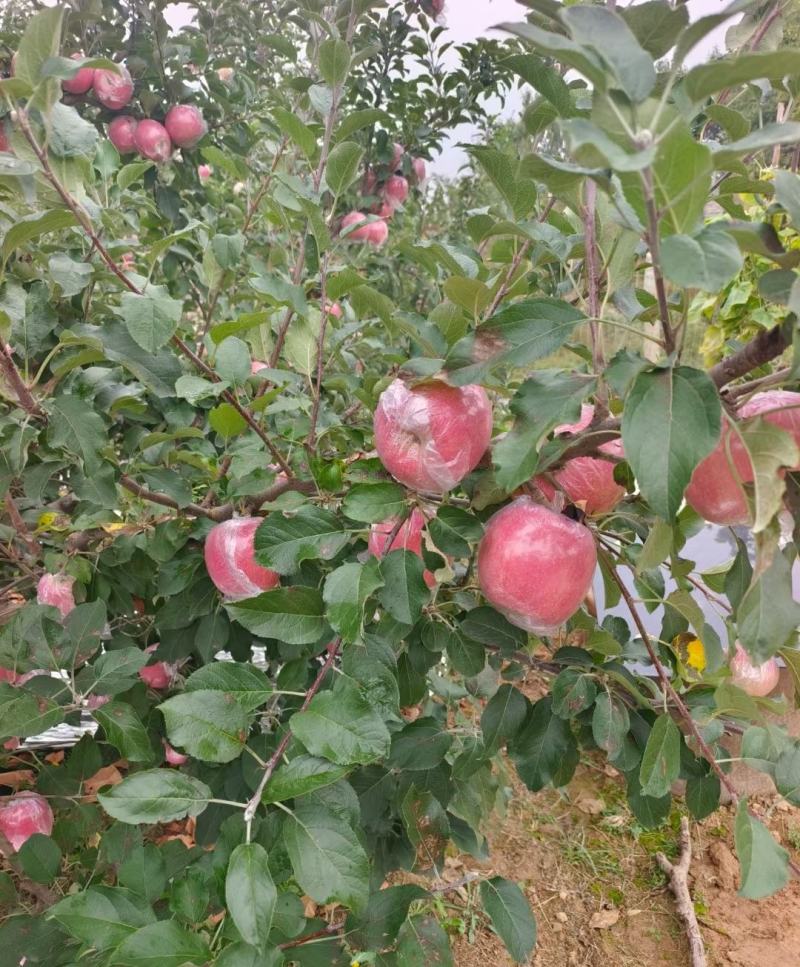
(408, 538)
(756, 680)
(334, 309)
(378, 234)
(361, 234)
(587, 481)
(225, 74)
(5, 144)
(430, 436)
(96, 701)
(82, 81)
(418, 167)
(172, 756)
(257, 365)
(535, 566)
(230, 561)
(152, 141)
(9, 675)
(128, 260)
(12, 744)
(384, 210)
(185, 125)
(204, 172)
(395, 190)
(56, 590)
(122, 133)
(24, 814)
(113, 90)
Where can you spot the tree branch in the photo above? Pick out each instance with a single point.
(678, 875)
(14, 379)
(766, 346)
(20, 527)
(655, 257)
(277, 755)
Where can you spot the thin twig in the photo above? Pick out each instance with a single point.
(20, 526)
(655, 257)
(678, 875)
(14, 378)
(277, 755)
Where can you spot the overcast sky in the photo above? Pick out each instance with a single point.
(469, 19)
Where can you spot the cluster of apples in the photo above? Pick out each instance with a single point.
(392, 194)
(183, 125)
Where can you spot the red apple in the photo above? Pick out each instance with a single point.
(418, 167)
(430, 436)
(173, 757)
(204, 172)
(587, 481)
(56, 590)
(362, 234)
(395, 190)
(715, 490)
(256, 366)
(122, 133)
(185, 125)
(378, 234)
(24, 814)
(159, 675)
(230, 562)
(408, 538)
(369, 182)
(384, 210)
(535, 566)
(82, 81)
(5, 144)
(113, 90)
(152, 141)
(334, 309)
(756, 680)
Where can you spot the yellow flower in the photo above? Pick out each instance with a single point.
(695, 654)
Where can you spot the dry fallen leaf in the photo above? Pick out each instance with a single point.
(604, 919)
(21, 777)
(107, 776)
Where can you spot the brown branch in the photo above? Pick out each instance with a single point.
(23, 394)
(678, 875)
(277, 755)
(323, 328)
(773, 379)
(506, 283)
(20, 526)
(655, 257)
(766, 346)
(85, 222)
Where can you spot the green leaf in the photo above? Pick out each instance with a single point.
(156, 796)
(341, 727)
(23, 714)
(227, 421)
(300, 776)
(419, 745)
(566, 51)
(377, 927)
(131, 173)
(334, 61)
(39, 43)
(284, 541)
(373, 503)
(144, 872)
(542, 747)
(40, 858)
(609, 35)
(78, 429)
(738, 578)
(162, 944)
(232, 360)
(489, 627)
(573, 692)
(404, 591)
(329, 863)
(708, 78)
(454, 530)
(346, 592)
(516, 336)
(771, 448)
(70, 135)
(547, 81)
(670, 423)
(294, 128)
(342, 167)
(125, 731)
(787, 193)
(503, 172)
(113, 672)
(511, 916)
(356, 120)
(768, 614)
(702, 795)
(94, 918)
(656, 24)
(708, 260)
(763, 863)
(610, 724)
(152, 317)
(423, 943)
(503, 717)
(293, 615)
(661, 760)
(250, 893)
(542, 402)
(734, 124)
(71, 276)
(243, 682)
(209, 725)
